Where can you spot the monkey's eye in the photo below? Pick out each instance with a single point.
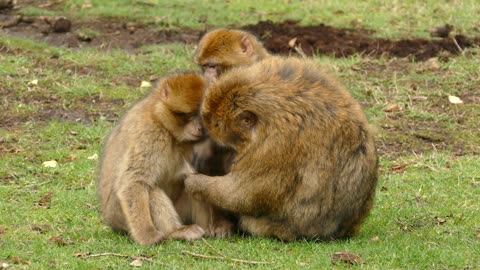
(209, 66)
(185, 116)
(247, 119)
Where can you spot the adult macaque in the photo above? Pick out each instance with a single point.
(306, 163)
(144, 164)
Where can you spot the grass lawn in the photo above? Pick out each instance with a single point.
(59, 103)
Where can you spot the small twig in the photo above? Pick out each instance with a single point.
(88, 255)
(203, 255)
(212, 248)
(457, 45)
(147, 3)
(222, 258)
(299, 50)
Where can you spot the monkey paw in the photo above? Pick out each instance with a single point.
(148, 238)
(194, 185)
(188, 232)
(222, 228)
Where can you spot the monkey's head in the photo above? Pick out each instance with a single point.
(228, 111)
(222, 49)
(181, 95)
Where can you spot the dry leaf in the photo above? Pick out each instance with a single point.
(375, 239)
(4, 265)
(59, 240)
(398, 168)
(46, 199)
(419, 98)
(2, 229)
(478, 235)
(346, 257)
(136, 263)
(33, 82)
(292, 42)
(93, 157)
(392, 108)
(145, 84)
(455, 100)
(50, 164)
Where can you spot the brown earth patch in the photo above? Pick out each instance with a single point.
(281, 38)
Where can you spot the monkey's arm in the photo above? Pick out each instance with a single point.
(226, 192)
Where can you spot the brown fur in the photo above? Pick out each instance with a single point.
(140, 186)
(306, 162)
(219, 51)
(223, 49)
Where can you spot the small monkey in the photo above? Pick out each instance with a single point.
(306, 163)
(219, 51)
(142, 172)
(222, 49)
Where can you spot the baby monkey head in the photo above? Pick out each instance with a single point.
(180, 95)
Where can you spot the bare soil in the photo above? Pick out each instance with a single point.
(288, 37)
(277, 37)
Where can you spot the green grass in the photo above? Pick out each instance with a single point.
(426, 207)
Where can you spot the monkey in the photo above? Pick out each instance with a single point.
(218, 51)
(144, 163)
(222, 49)
(306, 165)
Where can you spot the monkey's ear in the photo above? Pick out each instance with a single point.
(164, 91)
(247, 119)
(246, 45)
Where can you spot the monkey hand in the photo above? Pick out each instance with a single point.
(195, 184)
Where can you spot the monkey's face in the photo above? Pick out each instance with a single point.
(226, 115)
(181, 95)
(220, 50)
(193, 130)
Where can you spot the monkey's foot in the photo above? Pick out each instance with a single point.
(222, 228)
(188, 232)
(148, 237)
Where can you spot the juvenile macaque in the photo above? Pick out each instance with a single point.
(144, 164)
(223, 49)
(217, 52)
(306, 162)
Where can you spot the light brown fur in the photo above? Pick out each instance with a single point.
(219, 51)
(222, 49)
(140, 186)
(306, 162)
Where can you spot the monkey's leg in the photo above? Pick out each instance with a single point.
(264, 227)
(134, 199)
(228, 193)
(167, 220)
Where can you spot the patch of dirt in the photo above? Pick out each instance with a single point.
(342, 42)
(280, 38)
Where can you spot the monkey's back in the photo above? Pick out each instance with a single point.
(313, 147)
(131, 142)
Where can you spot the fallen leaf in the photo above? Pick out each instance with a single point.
(392, 108)
(478, 235)
(59, 240)
(41, 227)
(430, 64)
(475, 183)
(72, 157)
(440, 220)
(419, 98)
(93, 157)
(292, 42)
(87, 6)
(375, 239)
(455, 100)
(46, 199)
(136, 263)
(4, 265)
(2, 230)
(32, 82)
(346, 257)
(145, 84)
(74, 133)
(50, 164)
(398, 168)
